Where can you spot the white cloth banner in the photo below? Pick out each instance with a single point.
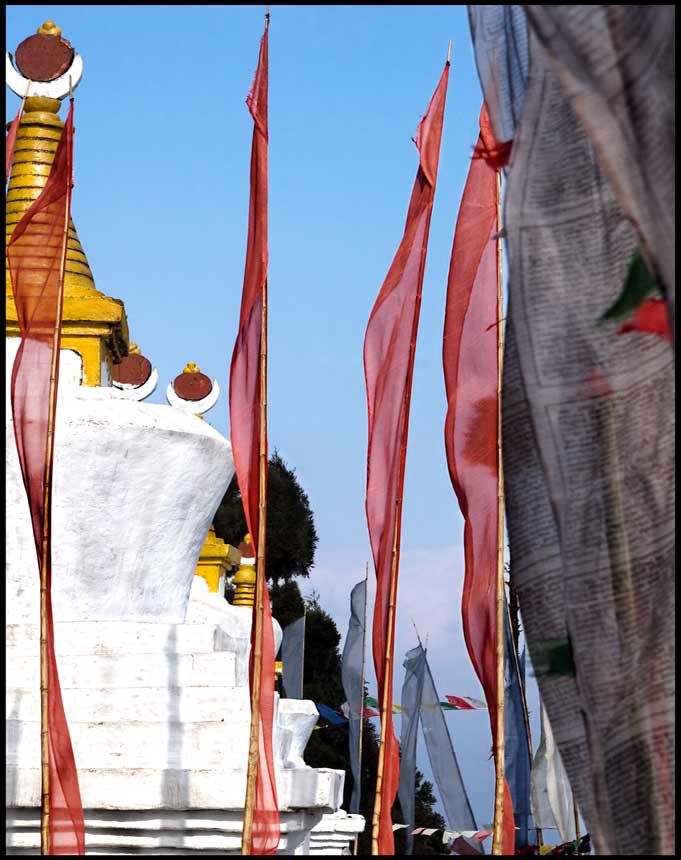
(552, 805)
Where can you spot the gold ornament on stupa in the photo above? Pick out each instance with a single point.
(94, 325)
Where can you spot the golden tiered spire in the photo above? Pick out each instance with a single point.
(94, 325)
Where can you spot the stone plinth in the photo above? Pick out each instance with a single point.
(159, 719)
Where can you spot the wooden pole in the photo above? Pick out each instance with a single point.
(44, 584)
(499, 739)
(576, 814)
(361, 707)
(385, 700)
(260, 585)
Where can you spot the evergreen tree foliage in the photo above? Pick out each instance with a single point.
(287, 603)
(291, 534)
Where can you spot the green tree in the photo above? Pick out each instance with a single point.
(291, 535)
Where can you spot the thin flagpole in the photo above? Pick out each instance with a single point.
(302, 656)
(361, 707)
(49, 458)
(260, 584)
(576, 814)
(497, 839)
(385, 703)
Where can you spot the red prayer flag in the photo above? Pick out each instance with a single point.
(244, 408)
(471, 380)
(11, 140)
(651, 317)
(36, 256)
(389, 347)
(460, 703)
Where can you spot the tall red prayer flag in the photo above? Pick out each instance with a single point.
(36, 257)
(245, 422)
(470, 360)
(389, 347)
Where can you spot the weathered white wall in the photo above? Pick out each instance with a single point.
(135, 488)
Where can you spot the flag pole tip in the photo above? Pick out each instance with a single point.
(449, 52)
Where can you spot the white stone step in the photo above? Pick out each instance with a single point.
(182, 832)
(146, 789)
(144, 670)
(119, 638)
(148, 704)
(139, 745)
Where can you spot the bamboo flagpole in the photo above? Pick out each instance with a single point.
(387, 689)
(361, 706)
(499, 750)
(260, 584)
(575, 810)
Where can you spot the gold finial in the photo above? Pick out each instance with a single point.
(244, 578)
(191, 368)
(49, 28)
(133, 349)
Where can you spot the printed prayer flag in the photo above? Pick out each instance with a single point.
(412, 695)
(330, 715)
(292, 657)
(517, 750)
(464, 703)
(352, 671)
(589, 474)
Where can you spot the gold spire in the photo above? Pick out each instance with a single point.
(94, 325)
(216, 560)
(244, 578)
(49, 28)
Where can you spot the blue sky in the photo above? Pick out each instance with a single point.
(162, 153)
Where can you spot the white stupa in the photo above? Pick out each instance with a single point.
(153, 663)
